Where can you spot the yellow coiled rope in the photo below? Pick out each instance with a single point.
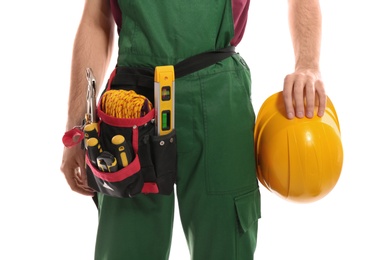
(125, 104)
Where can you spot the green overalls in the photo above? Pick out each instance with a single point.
(217, 189)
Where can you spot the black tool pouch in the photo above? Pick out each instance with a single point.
(153, 167)
(153, 159)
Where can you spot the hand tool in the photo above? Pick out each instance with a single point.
(90, 130)
(91, 116)
(122, 151)
(107, 162)
(164, 89)
(94, 149)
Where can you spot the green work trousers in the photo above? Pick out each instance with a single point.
(216, 188)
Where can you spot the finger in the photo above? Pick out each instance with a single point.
(84, 190)
(287, 97)
(322, 97)
(72, 159)
(74, 183)
(71, 180)
(310, 99)
(299, 95)
(81, 181)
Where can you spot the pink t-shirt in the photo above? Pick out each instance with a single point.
(240, 11)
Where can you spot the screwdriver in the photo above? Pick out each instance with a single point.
(94, 149)
(90, 130)
(121, 150)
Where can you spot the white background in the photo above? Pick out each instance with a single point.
(41, 218)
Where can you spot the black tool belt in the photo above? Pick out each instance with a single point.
(152, 167)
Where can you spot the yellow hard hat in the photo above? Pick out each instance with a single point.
(299, 159)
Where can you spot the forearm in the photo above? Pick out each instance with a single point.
(92, 49)
(305, 22)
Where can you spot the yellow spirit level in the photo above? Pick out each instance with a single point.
(164, 95)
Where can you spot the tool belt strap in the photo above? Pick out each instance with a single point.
(145, 76)
(202, 61)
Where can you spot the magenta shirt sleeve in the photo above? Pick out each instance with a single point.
(116, 13)
(240, 12)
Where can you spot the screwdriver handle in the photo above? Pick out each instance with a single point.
(90, 130)
(94, 149)
(122, 150)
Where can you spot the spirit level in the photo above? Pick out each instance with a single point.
(164, 99)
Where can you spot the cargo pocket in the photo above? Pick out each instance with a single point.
(248, 208)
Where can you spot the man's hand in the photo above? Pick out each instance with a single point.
(302, 91)
(73, 167)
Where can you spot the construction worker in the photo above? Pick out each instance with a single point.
(216, 186)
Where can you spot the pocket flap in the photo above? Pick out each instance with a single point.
(248, 208)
